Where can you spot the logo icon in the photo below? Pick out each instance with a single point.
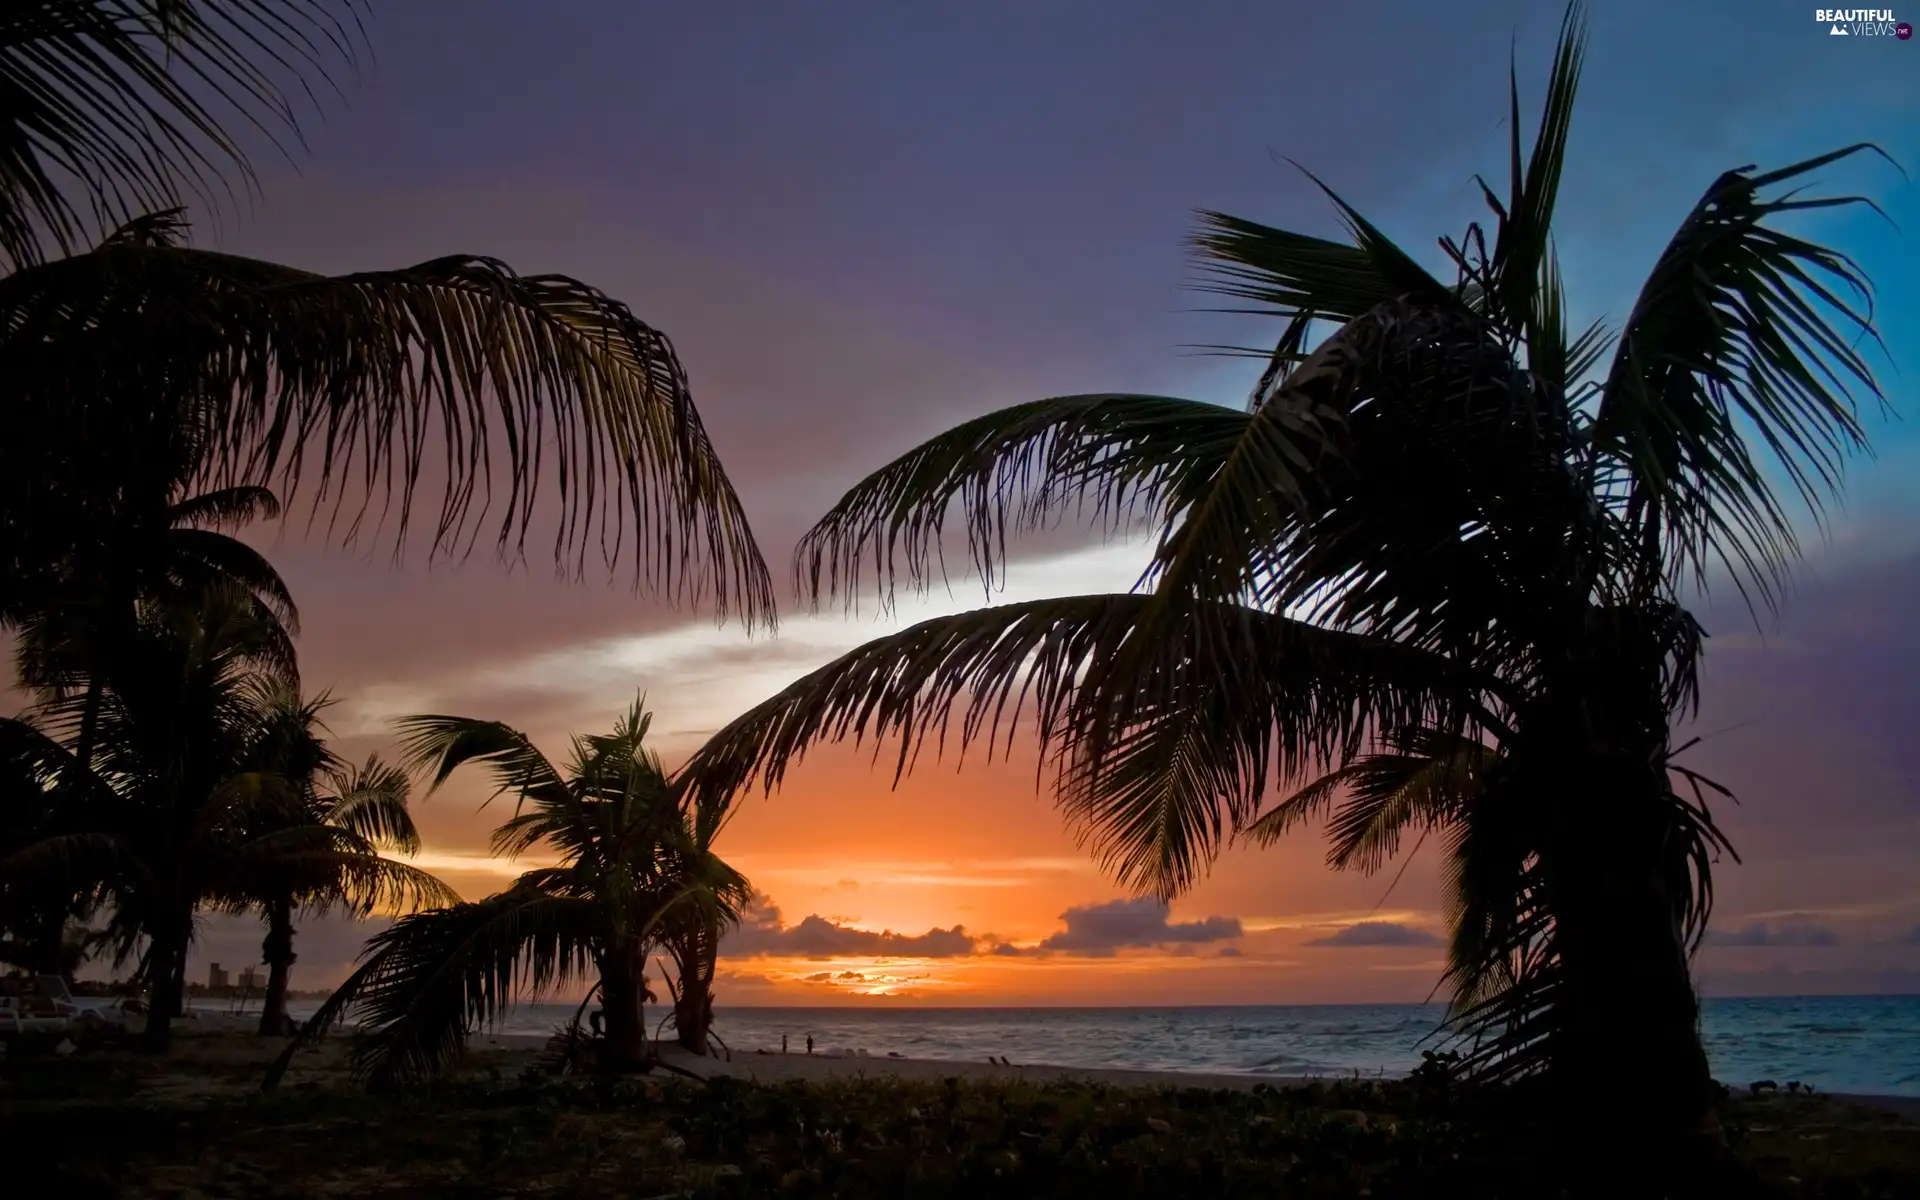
(1903, 31)
(1838, 32)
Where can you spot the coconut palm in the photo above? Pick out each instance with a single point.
(1456, 530)
(325, 852)
(635, 867)
(361, 384)
(173, 813)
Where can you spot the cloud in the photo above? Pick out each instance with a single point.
(1117, 924)
(1761, 934)
(1229, 952)
(1095, 930)
(1377, 933)
(762, 932)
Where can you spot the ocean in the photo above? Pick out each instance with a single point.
(1836, 1043)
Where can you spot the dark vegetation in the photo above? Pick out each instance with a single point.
(523, 1135)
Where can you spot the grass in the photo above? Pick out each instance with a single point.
(117, 1125)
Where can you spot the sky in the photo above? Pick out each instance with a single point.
(863, 222)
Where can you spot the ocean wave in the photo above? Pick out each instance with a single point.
(1839, 1044)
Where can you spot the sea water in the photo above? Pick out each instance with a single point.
(1837, 1043)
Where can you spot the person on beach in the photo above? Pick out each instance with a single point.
(809, 1043)
(783, 1043)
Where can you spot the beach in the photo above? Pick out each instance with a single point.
(766, 1067)
(193, 1122)
(229, 1040)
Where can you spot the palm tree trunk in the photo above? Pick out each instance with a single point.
(276, 950)
(1631, 1065)
(622, 995)
(168, 957)
(694, 960)
(125, 606)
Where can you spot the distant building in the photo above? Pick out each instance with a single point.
(250, 979)
(216, 978)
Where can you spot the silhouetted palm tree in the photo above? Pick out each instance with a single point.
(326, 849)
(636, 866)
(1457, 530)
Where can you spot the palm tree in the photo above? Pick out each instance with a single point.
(710, 898)
(1455, 530)
(279, 376)
(172, 812)
(148, 543)
(636, 869)
(326, 852)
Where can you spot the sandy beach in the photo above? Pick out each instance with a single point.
(781, 1068)
(229, 1040)
(763, 1067)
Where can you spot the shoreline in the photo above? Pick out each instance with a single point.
(768, 1067)
(772, 1068)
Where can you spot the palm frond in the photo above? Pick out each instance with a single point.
(523, 831)
(226, 508)
(323, 866)
(355, 376)
(1158, 798)
(427, 981)
(250, 800)
(1109, 457)
(74, 861)
(442, 745)
(371, 884)
(137, 102)
(1425, 777)
(1523, 247)
(200, 558)
(1228, 519)
(1740, 331)
(1294, 276)
(1431, 783)
(432, 978)
(1115, 685)
(1307, 802)
(371, 801)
